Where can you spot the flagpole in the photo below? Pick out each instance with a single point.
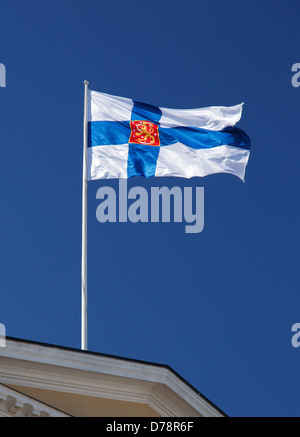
(84, 224)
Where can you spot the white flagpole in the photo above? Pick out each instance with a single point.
(84, 224)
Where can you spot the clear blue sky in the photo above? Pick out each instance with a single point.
(217, 306)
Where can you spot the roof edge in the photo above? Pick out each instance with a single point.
(116, 357)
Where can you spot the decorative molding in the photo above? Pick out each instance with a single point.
(15, 404)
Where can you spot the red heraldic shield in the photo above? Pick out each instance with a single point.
(144, 132)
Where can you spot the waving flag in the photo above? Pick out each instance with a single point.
(130, 138)
(124, 138)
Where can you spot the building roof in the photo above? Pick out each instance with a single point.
(86, 383)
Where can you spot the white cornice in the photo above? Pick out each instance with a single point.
(73, 371)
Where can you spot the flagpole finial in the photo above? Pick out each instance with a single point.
(86, 82)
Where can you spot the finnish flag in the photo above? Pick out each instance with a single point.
(130, 138)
